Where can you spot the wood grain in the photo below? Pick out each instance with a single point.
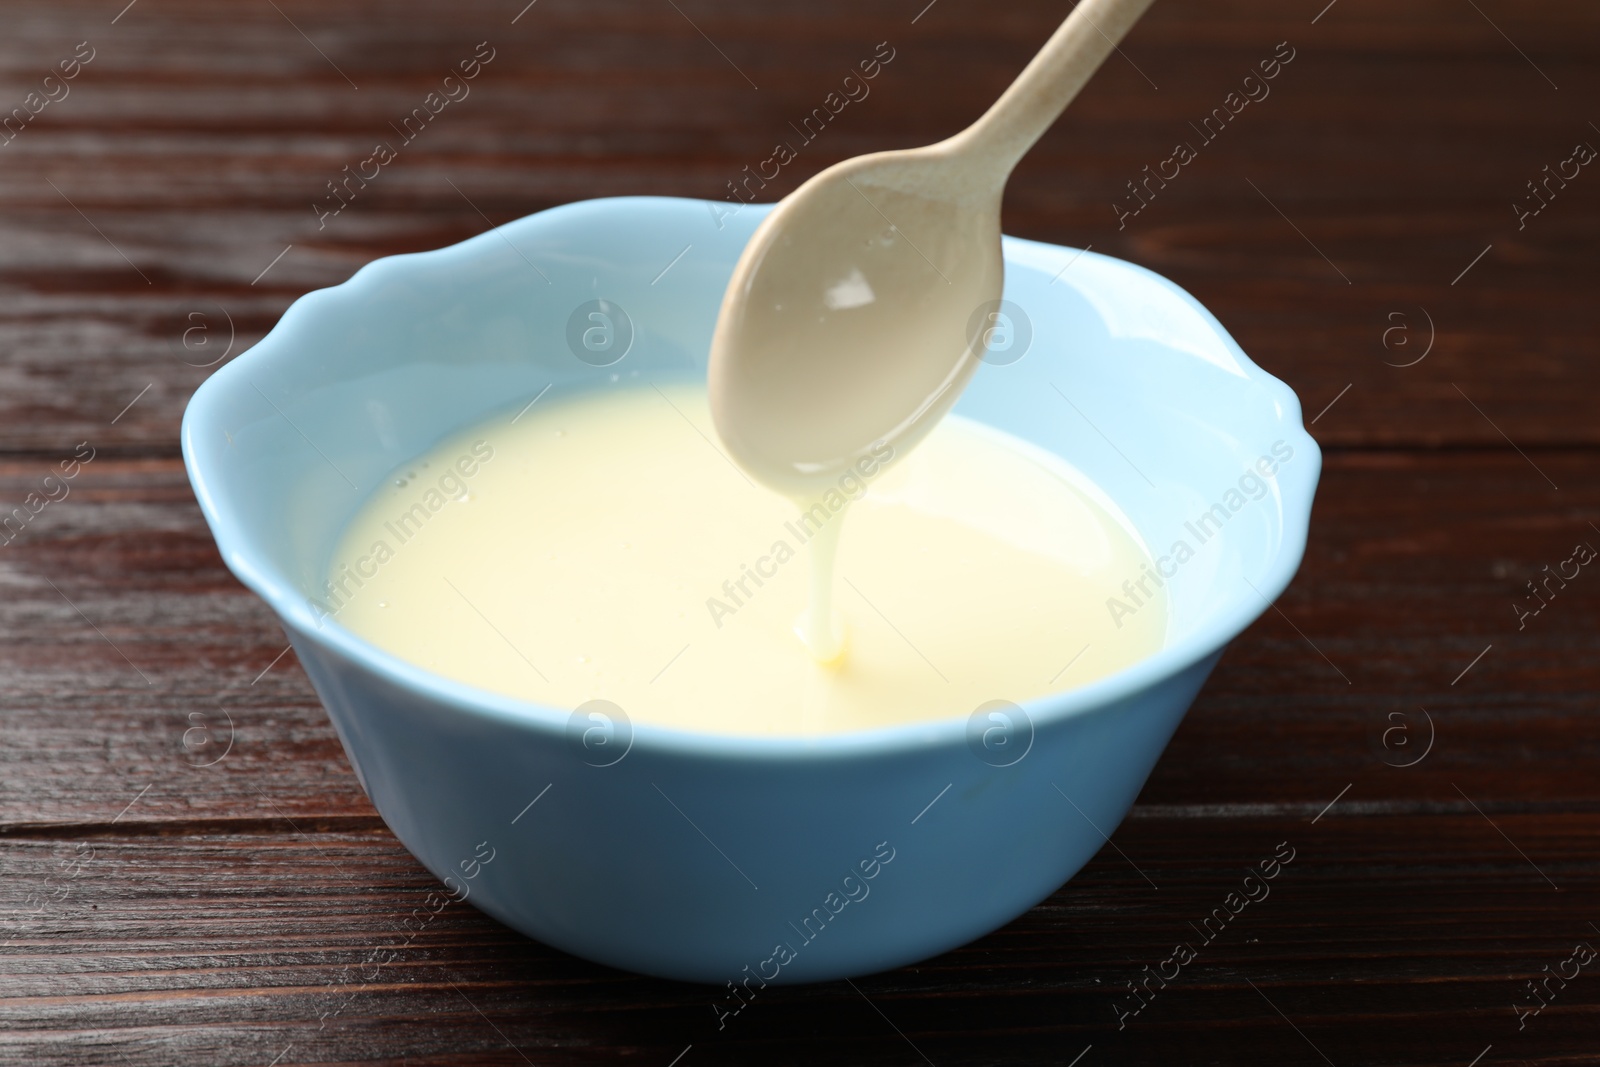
(189, 872)
(196, 142)
(231, 948)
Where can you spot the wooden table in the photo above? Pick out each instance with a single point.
(188, 870)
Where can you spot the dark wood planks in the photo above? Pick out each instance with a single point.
(196, 142)
(230, 949)
(225, 911)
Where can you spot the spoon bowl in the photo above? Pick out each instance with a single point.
(847, 323)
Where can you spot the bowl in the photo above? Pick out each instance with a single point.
(742, 859)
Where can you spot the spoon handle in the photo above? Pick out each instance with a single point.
(1048, 83)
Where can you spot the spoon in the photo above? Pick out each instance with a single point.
(861, 304)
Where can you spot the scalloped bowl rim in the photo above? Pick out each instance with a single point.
(1297, 489)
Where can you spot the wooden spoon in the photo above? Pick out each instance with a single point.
(856, 314)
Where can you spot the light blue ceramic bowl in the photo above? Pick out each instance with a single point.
(715, 858)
